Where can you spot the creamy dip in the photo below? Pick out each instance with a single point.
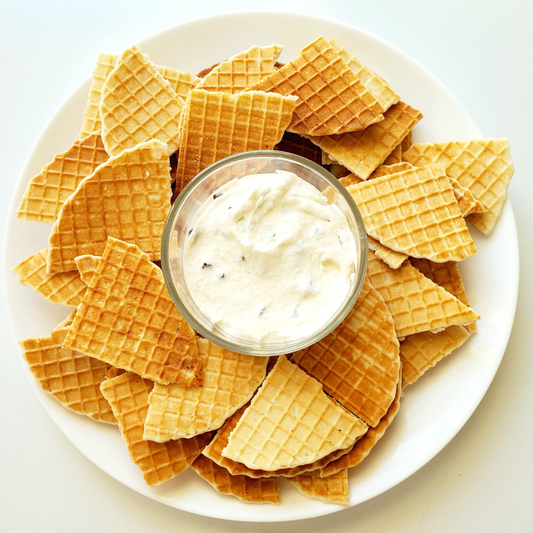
(268, 259)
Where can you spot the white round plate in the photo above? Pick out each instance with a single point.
(433, 410)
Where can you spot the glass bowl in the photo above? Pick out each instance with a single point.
(185, 209)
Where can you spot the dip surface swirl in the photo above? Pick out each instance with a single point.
(268, 259)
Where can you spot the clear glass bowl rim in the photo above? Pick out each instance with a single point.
(281, 348)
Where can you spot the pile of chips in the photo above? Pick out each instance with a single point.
(126, 356)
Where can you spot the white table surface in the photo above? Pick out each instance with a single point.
(483, 479)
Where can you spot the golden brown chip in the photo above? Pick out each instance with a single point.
(49, 190)
(290, 422)
(330, 489)
(71, 377)
(127, 198)
(358, 363)
(65, 288)
(245, 121)
(483, 166)
(128, 396)
(415, 302)
(331, 100)
(128, 319)
(138, 105)
(243, 487)
(365, 444)
(214, 451)
(415, 212)
(229, 380)
(361, 152)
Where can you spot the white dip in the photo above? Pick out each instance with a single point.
(268, 259)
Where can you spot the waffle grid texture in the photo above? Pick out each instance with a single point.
(290, 422)
(243, 487)
(415, 212)
(415, 302)
(128, 396)
(482, 166)
(128, 319)
(216, 125)
(447, 276)
(229, 381)
(365, 444)
(358, 363)
(423, 351)
(105, 63)
(361, 152)
(127, 198)
(72, 378)
(214, 451)
(48, 191)
(181, 82)
(138, 104)
(65, 288)
(375, 84)
(242, 70)
(331, 489)
(331, 99)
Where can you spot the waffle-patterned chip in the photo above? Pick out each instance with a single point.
(375, 84)
(250, 120)
(91, 116)
(49, 190)
(331, 100)
(467, 203)
(422, 351)
(446, 275)
(361, 152)
(243, 487)
(72, 378)
(290, 422)
(415, 212)
(181, 82)
(65, 288)
(482, 166)
(128, 396)
(228, 381)
(127, 198)
(137, 105)
(128, 319)
(415, 302)
(365, 444)
(358, 363)
(214, 451)
(86, 265)
(330, 489)
(242, 70)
